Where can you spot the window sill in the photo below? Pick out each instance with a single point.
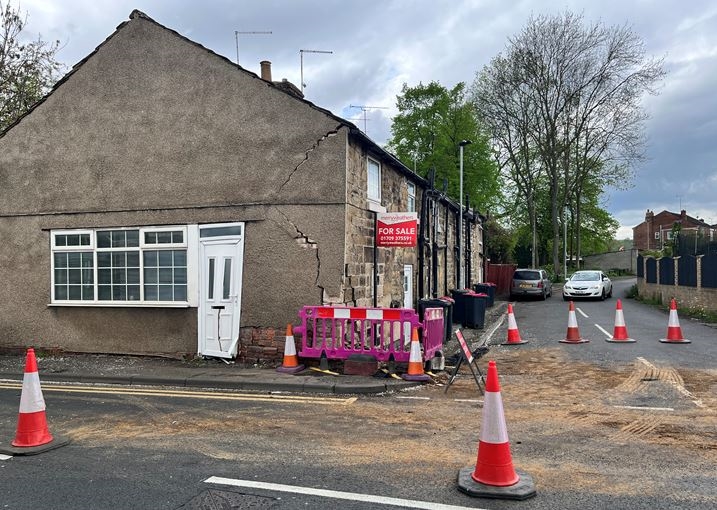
(375, 206)
(119, 305)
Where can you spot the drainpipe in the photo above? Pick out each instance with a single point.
(422, 242)
(375, 261)
(468, 253)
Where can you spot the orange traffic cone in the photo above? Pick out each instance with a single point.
(494, 475)
(290, 365)
(415, 361)
(619, 334)
(573, 334)
(31, 423)
(513, 333)
(674, 332)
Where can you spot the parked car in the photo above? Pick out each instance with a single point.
(531, 282)
(587, 284)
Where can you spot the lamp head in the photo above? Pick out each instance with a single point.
(463, 143)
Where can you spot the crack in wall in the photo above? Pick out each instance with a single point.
(306, 155)
(306, 242)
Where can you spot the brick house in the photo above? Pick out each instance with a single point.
(163, 200)
(656, 230)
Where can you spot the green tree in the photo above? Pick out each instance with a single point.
(432, 120)
(28, 69)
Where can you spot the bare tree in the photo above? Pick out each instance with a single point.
(581, 88)
(27, 68)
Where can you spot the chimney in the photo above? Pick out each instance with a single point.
(265, 70)
(683, 213)
(649, 215)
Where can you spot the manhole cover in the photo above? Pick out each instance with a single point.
(226, 500)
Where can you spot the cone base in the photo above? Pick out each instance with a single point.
(416, 377)
(56, 442)
(668, 341)
(620, 340)
(524, 488)
(290, 370)
(519, 342)
(578, 341)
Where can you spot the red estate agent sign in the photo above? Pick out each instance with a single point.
(396, 229)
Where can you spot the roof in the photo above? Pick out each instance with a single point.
(678, 217)
(353, 129)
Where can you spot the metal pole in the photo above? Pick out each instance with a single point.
(462, 144)
(565, 243)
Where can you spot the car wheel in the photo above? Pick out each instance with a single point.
(565, 298)
(543, 296)
(602, 295)
(610, 293)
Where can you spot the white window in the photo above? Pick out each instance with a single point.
(374, 180)
(120, 266)
(657, 235)
(411, 196)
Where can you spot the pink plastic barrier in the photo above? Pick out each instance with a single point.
(384, 333)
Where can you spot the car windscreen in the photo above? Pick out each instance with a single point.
(585, 277)
(526, 275)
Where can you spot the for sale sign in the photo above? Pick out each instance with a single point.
(395, 229)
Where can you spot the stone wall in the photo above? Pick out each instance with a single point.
(625, 260)
(686, 296)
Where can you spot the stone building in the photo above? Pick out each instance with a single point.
(163, 200)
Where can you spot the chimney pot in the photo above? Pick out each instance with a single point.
(265, 70)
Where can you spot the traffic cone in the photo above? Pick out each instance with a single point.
(290, 365)
(573, 334)
(494, 475)
(415, 361)
(619, 334)
(513, 333)
(674, 332)
(31, 423)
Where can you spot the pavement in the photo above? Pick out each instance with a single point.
(217, 374)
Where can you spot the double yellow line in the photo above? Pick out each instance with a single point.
(206, 395)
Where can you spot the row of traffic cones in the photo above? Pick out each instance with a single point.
(620, 335)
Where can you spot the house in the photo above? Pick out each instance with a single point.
(163, 200)
(657, 229)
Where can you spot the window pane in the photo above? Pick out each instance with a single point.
(60, 240)
(150, 293)
(227, 278)
(104, 276)
(74, 259)
(104, 292)
(132, 259)
(132, 238)
(133, 275)
(74, 276)
(210, 293)
(84, 239)
(75, 292)
(88, 292)
(150, 259)
(87, 260)
(60, 275)
(87, 276)
(165, 275)
(151, 275)
(165, 258)
(164, 237)
(150, 237)
(73, 240)
(180, 275)
(178, 237)
(165, 293)
(119, 259)
(132, 292)
(60, 292)
(118, 276)
(180, 258)
(220, 231)
(180, 292)
(119, 293)
(104, 239)
(104, 259)
(118, 239)
(60, 259)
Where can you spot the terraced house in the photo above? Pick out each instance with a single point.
(163, 200)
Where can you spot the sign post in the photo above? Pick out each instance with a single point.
(467, 356)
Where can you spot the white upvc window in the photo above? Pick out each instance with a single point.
(657, 234)
(374, 180)
(411, 188)
(130, 266)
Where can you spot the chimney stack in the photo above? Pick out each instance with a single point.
(683, 213)
(265, 70)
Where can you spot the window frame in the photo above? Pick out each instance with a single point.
(142, 247)
(411, 191)
(370, 160)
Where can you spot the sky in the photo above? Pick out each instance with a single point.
(359, 53)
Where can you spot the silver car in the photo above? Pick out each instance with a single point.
(531, 282)
(587, 284)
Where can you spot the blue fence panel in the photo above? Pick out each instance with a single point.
(651, 270)
(687, 271)
(709, 271)
(667, 271)
(640, 267)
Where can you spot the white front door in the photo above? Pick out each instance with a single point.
(408, 286)
(220, 289)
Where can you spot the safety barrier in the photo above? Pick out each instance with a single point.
(384, 333)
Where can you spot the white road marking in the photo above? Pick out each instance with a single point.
(415, 398)
(607, 334)
(5, 457)
(350, 496)
(640, 408)
(581, 312)
(497, 325)
(468, 400)
(208, 395)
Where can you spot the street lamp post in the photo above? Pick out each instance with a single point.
(461, 284)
